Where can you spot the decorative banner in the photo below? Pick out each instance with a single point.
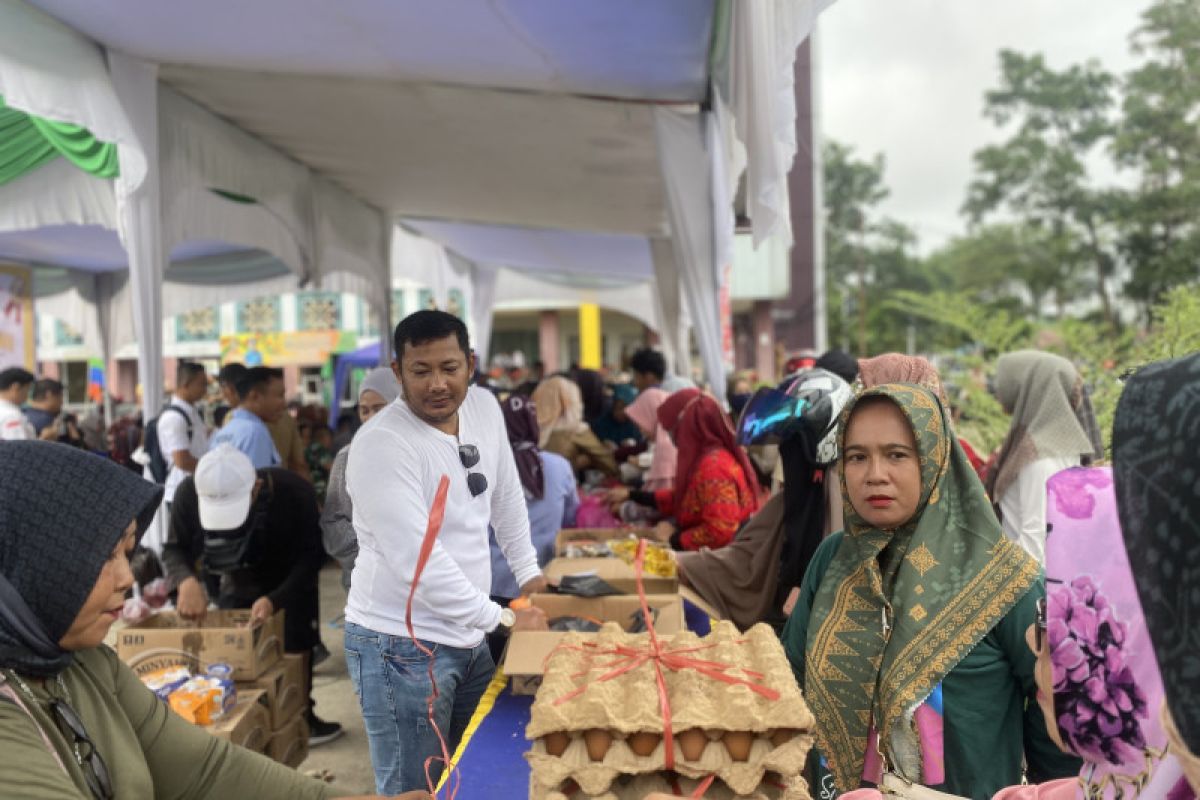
(95, 384)
(285, 349)
(17, 342)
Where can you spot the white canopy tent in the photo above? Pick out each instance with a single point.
(590, 118)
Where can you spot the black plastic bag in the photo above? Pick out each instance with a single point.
(585, 585)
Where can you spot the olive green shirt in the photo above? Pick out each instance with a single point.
(990, 716)
(150, 751)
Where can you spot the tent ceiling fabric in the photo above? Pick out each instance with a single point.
(447, 152)
(616, 48)
(606, 255)
(90, 248)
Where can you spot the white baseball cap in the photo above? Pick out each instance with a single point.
(225, 480)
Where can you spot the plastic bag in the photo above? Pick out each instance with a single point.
(585, 584)
(593, 513)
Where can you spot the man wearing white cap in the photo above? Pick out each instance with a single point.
(257, 530)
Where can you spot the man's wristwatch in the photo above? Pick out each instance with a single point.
(508, 618)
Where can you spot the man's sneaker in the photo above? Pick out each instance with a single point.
(320, 732)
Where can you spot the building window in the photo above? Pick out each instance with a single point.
(65, 335)
(318, 311)
(456, 303)
(201, 325)
(259, 316)
(398, 307)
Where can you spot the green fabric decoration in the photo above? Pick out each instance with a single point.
(28, 142)
(897, 610)
(244, 199)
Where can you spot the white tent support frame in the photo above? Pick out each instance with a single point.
(310, 224)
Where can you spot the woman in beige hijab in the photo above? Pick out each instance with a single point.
(1053, 428)
(559, 405)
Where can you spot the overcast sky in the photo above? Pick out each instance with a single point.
(906, 78)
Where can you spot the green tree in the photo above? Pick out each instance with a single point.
(866, 254)
(1158, 138)
(1014, 266)
(1039, 174)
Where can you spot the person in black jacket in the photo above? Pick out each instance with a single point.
(260, 531)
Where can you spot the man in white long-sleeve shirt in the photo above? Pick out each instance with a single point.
(438, 427)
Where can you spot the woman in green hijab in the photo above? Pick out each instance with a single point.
(909, 634)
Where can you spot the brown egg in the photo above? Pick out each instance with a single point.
(597, 741)
(738, 744)
(556, 742)
(782, 736)
(644, 742)
(692, 743)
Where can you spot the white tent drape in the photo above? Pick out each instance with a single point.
(200, 153)
(50, 70)
(139, 222)
(483, 302)
(691, 173)
(764, 37)
(352, 243)
(534, 291)
(57, 193)
(668, 309)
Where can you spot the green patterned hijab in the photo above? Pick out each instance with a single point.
(951, 576)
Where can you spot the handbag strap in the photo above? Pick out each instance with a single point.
(8, 693)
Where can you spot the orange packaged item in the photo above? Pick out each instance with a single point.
(194, 706)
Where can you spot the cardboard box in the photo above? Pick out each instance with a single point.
(248, 725)
(614, 571)
(525, 658)
(223, 637)
(285, 687)
(568, 535)
(289, 744)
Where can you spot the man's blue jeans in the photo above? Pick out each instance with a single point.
(391, 679)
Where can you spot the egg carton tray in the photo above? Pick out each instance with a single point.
(636, 787)
(629, 703)
(785, 759)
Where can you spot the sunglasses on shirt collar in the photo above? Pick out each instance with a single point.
(468, 454)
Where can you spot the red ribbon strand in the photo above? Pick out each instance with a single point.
(629, 657)
(436, 515)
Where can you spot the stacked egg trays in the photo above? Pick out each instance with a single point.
(607, 742)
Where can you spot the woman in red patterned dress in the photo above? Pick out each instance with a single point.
(715, 491)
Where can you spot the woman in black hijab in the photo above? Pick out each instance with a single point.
(1156, 466)
(591, 388)
(74, 720)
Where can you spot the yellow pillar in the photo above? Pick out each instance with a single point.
(590, 356)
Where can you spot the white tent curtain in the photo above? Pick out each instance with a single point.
(668, 308)
(50, 70)
(693, 183)
(483, 302)
(139, 222)
(761, 93)
(201, 152)
(57, 193)
(352, 241)
(531, 291)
